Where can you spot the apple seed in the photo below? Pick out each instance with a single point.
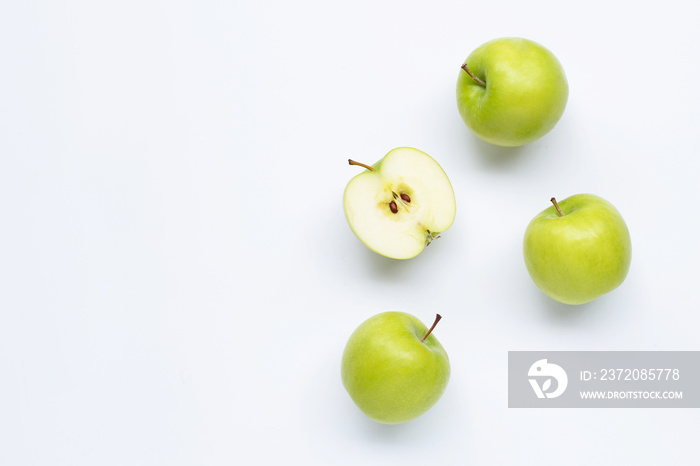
(405, 197)
(394, 208)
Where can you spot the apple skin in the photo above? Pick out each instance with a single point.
(389, 373)
(525, 93)
(577, 257)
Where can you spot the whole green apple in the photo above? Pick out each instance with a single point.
(394, 368)
(578, 249)
(511, 91)
(400, 204)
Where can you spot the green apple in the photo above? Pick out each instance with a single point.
(511, 91)
(400, 204)
(578, 249)
(394, 368)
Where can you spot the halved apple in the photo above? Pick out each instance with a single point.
(399, 205)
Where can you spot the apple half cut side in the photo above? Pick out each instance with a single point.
(400, 204)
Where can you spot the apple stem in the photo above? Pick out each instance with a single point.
(437, 319)
(473, 76)
(556, 206)
(352, 162)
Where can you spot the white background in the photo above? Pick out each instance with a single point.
(177, 279)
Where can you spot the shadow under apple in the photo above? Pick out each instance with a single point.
(426, 427)
(567, 313)
(408, 271)
(495, 157)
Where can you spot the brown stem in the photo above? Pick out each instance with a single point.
(352, 162)
(473, 76)
(556, 206)
(437, 319)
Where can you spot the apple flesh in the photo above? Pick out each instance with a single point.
(511, 91)
(394, 368)
(400, 204)
(578, 249)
